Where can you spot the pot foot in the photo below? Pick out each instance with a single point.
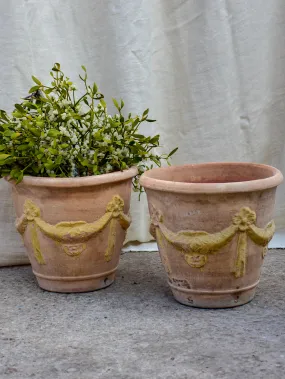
(76, 284)
(214, 300)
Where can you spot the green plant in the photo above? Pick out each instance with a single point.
(55, 133)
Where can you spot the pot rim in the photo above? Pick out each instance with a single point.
(148, 182)
(83, 181)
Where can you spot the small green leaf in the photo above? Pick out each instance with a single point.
(83, 68)
(116, 103)
(23, 147)
(95, 88)
(8, 133)
(139, 136)
(20, 108)
(84, 162)
(49, 166)
(103, 103)
(30, 105)
(53, 133)
(3, 114)
(7, 161)
(136, 121)
(155, 139)
(36, 80)
(48, 91)
(33, 89)
(77, 117)
(172, 152)
(36, 132)
(52, 150)
(4, 156)
(58, 160)
(17, 114)
(156, 161)
(35, 169)
(56, 68)
(20, 177)
(122, 104)
(15, 135)
(44, 100)
(145, 113)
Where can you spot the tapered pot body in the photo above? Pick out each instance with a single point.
(74, 228)
(212, 223)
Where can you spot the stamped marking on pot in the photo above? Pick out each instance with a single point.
(180, 283)
(73, 234)
(196, 246)
(190, 300)
(194, 212)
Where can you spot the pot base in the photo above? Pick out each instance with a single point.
(209, 299)
(75, 284)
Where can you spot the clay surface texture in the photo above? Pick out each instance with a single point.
(213, 223)
(74, 228)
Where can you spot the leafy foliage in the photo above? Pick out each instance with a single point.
(55, 133)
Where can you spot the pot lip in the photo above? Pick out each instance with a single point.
(229, 187)
(84, 181)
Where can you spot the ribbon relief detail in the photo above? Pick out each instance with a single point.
(196, 246)
(72, 235)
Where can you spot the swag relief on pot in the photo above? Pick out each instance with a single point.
(196, 246)
(73, 236)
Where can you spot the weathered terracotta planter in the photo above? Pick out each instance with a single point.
(74, 228)
(212, 223)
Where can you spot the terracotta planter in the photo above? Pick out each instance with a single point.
(74, 228)
(212, 223)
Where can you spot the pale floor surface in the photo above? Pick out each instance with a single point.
(135, 329)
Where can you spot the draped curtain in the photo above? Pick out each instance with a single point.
(212, 73)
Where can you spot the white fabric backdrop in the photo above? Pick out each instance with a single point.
(211, 71)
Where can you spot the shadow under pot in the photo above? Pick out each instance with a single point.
(212, 223)
(74, 228)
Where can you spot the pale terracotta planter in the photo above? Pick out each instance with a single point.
(74, 228)
(212, 223)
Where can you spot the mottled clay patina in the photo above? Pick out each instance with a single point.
(213, 223)
(74, 228)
